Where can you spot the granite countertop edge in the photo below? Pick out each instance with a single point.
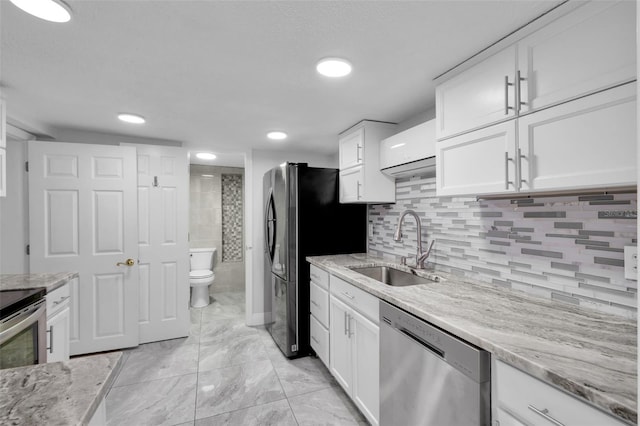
(339, 265)
(67, 392)
(48, 281)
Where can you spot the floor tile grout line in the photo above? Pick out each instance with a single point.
(245, 408)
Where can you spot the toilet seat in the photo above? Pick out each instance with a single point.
(201, 273)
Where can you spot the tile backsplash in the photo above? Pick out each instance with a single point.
(568, 248)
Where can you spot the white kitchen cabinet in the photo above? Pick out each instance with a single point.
(586, 143)
(58, 324)
(411, 145)
(352, 149)
(3, 148)
(319, 312)
(355, 345)
(480, 162)
(361, 180)
(589, 49)
(519, 398)
(477, 97)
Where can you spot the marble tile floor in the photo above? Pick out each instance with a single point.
(225, 373)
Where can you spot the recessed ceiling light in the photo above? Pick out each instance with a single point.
(131, 118)
(49, 10)
(206, 156)
(334, 67)
(277, 135)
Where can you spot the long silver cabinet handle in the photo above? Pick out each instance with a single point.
(345, 323)
(348, 295)
(506, 95)
(519, 168)
(519, 80)
(545, 413)
(358, 190)
(358, 159)
(506, 170)
(61, 300)
(349, 322)
(50, 331)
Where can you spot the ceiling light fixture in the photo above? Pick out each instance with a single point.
(49, 10)
(206, 156)
(334, 67)
(131, 118)
(277, 135)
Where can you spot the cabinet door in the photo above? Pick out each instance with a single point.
(480, 162)
(592, 48)
(365, 337)
(477, 97)
(319, 339)
(351, 185)
(319, 303)
(352, 149)
(586, 143)
(58, 336)
(340, 344)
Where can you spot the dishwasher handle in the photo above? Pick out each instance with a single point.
(427, 345)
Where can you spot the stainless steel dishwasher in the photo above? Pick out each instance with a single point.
(428, 376)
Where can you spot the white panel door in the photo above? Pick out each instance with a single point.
(480, 162)
(586, 143)
(592, 48)
(340, 343)
(83, 217)
(365, 336)
(477, 97)
(163, 207)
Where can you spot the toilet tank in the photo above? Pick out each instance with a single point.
(202, 258)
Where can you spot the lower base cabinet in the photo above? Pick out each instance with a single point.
(521, 399)
(355, 347)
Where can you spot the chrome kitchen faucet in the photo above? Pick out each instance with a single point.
(397, 236)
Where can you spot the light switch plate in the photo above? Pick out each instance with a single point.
(631, 262)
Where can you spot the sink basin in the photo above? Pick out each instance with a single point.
(392, 276)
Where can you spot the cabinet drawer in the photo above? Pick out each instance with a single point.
(319, 277)
(521, 395)
(319, 340)
(56, 299)
(319, 303)
(360, 300)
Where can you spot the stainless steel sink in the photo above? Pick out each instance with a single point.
(392, 276)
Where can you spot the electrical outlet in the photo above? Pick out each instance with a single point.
(631, 262)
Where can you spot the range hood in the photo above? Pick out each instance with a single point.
(418, 167)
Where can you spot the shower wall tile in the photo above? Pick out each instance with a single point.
(232, 217)
(568, 248)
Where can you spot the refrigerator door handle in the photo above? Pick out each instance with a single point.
(269, 237)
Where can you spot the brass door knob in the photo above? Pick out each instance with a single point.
(128, 262)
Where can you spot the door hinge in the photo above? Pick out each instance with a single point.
(155, 181)
(26, 166)
(294, 348)
(28, 249)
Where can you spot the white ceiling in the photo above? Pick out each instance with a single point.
(217, 75)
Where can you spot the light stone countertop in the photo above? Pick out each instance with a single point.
(57, 393)
(49, 281)
(586, 353)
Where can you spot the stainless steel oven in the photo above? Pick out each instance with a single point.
(23, 338)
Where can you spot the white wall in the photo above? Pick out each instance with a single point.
(14, 212)
(258, 163)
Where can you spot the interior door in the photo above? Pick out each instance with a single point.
(163, 211)
(83, 217)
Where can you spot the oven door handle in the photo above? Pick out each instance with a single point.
(18, 324)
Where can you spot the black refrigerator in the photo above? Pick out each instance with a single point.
(302, 217)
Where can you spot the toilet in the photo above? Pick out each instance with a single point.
(201, 275)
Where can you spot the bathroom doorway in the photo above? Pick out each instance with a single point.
(217, 221)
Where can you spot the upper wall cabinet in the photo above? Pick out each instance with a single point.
(360, 178)
(589, 49)
(481, 95)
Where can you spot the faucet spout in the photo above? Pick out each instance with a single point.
(421, 256)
